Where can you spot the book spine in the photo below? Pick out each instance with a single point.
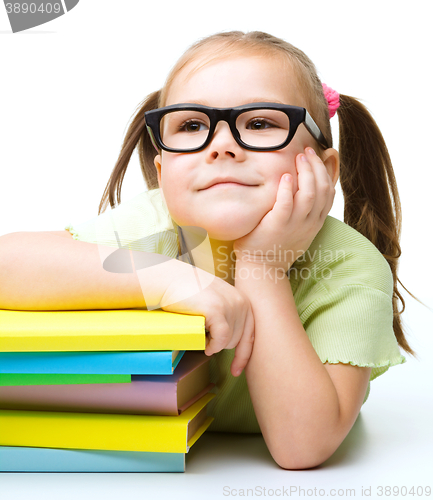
(95, 431)
(110, 330)
(143, 363)
(151, 398)
(23, 459)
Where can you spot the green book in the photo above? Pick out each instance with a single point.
(8, 379)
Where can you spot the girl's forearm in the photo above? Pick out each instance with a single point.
(294, 399)
(42, 271)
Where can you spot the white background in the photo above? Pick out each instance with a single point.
(70, 87)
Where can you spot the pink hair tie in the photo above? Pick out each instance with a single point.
(333, 98)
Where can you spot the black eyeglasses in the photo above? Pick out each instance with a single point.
(262, 126)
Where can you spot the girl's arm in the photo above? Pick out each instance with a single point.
(304, 408)
(43, 271)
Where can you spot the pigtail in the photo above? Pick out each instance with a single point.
(136, 136)
(371, 199)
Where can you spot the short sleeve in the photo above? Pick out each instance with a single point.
(142, 223)
(343, 289)
(354, 324)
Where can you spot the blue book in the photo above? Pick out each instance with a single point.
(100, 362)
(24, 459)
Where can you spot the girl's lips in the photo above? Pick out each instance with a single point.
(222, 185)
(228, 180)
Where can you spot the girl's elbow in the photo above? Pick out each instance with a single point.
(297, 460)
(296, 463)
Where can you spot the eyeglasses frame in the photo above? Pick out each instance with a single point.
(296, 115)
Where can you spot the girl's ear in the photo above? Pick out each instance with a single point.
(331, 160)
(157, 163)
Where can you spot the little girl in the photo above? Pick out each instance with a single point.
(238, 145)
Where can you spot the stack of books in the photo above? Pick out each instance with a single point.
(101, 390)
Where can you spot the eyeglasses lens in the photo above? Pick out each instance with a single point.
(263, 127)
(183, 130)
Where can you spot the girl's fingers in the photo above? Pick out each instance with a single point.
(225, 333)
(284, 204)
(243, 340)
(244, 348)
(219, 335)
(324, 186)
(237, 325)
(305, 197)
(315, 191)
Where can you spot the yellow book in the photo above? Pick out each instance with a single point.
(96, 431)
(100, 330)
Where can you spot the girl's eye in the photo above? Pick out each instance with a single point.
(259, 124)
(192, 126)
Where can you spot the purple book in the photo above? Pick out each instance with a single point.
(145, 395)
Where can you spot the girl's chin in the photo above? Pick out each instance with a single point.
(223, 233)
(219, 231)
(224, 226)
(224, 236)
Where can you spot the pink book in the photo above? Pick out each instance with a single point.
(145, 395)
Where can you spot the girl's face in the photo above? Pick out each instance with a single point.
(229, 211)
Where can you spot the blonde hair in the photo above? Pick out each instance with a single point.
(371, 199)
(237, 43)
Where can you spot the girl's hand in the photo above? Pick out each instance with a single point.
(228, 312)
(286, 232)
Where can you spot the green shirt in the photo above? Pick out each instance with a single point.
(342, 288)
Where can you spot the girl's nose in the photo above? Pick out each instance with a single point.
(224, 145)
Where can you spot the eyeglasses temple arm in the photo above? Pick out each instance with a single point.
(315, 130)
(152, 138)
